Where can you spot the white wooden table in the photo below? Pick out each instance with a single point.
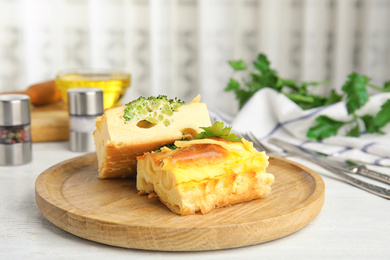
(353, 224)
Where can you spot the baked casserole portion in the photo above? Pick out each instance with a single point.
(204, 174)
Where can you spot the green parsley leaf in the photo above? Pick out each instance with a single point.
(254, 86)
(233, 85)
(238, 65)
(325, 128)
(386, 87)
(355, 132)
(356, 91)
(267, 79)
(243, 95)
(218, 130)
(383, 116)
(370, 125)
(262, 63)
(333, 98)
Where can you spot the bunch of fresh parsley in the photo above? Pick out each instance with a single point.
(265, 77)
(354, 92)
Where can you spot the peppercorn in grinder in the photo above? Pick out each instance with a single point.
(15, 133)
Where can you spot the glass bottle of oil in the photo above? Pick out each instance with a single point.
(113, 83)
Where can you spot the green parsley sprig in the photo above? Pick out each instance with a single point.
(218, 130)
(356, 95)
(264, 76)
(354, 90)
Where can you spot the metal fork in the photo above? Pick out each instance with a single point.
(259, 145)
(379, 191)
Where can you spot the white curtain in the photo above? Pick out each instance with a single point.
(181, 47)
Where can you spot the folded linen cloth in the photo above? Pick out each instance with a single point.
(271, 114)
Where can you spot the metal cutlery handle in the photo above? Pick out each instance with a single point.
(293, 150)
(364, 171)
(355, 167)
(379, 191)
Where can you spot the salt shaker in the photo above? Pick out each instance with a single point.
(15, 133)
(84, 105)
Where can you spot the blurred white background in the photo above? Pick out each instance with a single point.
(181, 47)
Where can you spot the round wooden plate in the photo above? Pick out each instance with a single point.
(70, 195)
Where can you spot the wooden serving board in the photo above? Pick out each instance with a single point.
(50, 123)
(110, 211)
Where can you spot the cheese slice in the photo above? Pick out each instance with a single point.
(204, 174)
(119, 142)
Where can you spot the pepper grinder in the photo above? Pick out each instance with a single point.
(84, 105)
(15, 133)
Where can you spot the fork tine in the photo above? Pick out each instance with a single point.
(255, 141)
(252, 138)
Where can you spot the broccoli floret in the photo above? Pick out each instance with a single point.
(152, 109)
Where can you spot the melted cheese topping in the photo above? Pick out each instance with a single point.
(208, 158)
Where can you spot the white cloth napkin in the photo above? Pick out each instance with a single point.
(271, 114)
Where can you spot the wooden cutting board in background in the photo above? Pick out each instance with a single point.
(50, 123)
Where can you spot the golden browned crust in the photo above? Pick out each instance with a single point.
(121, 160)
